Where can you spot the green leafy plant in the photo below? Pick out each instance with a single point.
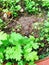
(31, 6)
(11, 6)
(45, 3)
(15, 46)
(44, 33)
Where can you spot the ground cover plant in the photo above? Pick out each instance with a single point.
(31, 6)
(10, 6)
(44, 38)
(18, 6)
(45, 3)
(17, 48)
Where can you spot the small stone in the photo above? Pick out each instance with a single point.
(5, 16)
(22, 10)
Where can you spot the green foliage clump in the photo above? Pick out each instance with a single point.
(45, 3)
(31, 6)
(44, 32)
(11, 6)
(18, 48)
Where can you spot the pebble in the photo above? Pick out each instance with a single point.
(5, 16)
(22, 10)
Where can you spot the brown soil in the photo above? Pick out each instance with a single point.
(23, 25)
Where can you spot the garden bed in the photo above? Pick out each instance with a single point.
(24, 31)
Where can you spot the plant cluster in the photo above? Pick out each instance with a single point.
(44, 31)
(11, 6)
(31, 6)
(17, 48)
(35, 6)
(45, 3)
